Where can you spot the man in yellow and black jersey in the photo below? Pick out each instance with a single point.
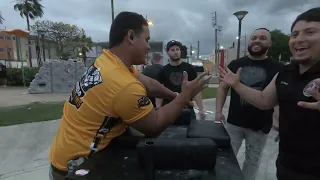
(112, 95)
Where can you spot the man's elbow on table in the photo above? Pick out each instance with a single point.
(155, 122)
(148, 125)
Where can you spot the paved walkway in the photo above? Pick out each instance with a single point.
(13, 96)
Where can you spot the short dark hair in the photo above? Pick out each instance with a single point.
(124, 22)
(262, 29)
(312, 15)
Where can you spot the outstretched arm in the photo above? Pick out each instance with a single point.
(154, 88)
(133, 106)
(266, 99)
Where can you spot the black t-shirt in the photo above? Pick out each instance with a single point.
(299, 128)
(255, 74)
(152, 71)
(172, 76)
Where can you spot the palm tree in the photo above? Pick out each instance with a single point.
(1, 18)
(30, 9)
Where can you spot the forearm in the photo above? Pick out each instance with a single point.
(221, 98)
(158, 102)
(158, 90)
(168, 114)
(198, 99)
(252, 96)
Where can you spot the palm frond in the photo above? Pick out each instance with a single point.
(31, 8)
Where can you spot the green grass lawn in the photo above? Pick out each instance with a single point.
(33, 112)
(41, 111)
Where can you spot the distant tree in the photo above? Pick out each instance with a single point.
(82, 43)
(279, 47)
(70, 39)
(184, 52)
(30, 9)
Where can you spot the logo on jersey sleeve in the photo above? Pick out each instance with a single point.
(144, 101)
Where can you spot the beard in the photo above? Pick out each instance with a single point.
(174, 58)
(262, 51)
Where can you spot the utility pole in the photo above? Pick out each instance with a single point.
(198, 52)
(216, 30)
(112, 10)
(214, 24)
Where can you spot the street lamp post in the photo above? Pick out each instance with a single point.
(42, 32)
(240, 15)
(245, 44)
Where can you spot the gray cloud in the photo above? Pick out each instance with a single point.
(184, 20)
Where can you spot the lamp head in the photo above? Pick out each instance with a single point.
(240, 14)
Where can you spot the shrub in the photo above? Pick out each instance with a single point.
(15, 75)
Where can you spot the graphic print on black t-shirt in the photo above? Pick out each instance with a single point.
(176, 78)
(172, 76)
(254, 77)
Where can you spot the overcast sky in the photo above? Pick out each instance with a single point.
(184, 20)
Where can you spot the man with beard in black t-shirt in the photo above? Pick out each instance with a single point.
(171, 76)
(246, 122)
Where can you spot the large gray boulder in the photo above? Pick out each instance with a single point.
(57, 76)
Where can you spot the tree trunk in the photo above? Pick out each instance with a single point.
(29, 42)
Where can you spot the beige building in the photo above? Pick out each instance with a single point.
(9, 53)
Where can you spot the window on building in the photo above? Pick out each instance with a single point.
(1, 37)
(2, 49)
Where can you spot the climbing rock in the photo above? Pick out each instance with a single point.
(57, 76)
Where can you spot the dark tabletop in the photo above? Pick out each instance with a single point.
(118, 163)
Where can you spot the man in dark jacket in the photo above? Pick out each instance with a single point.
(153, 70)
